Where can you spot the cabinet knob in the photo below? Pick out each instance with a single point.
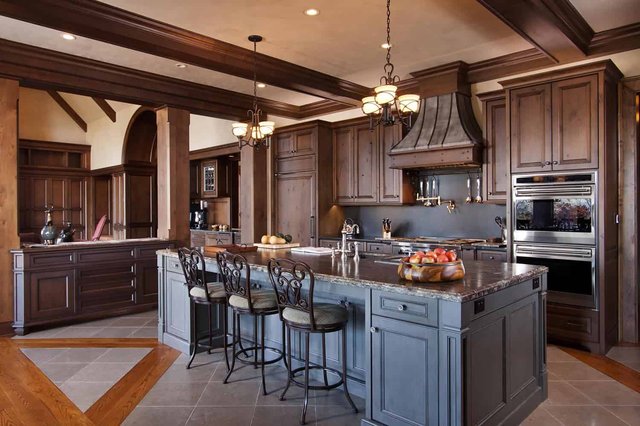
(402, 307)
(492, 258)
(547, 163)
(555, 161)
(543, 164)
(373, 329)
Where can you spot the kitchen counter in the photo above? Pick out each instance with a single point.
(466, 352)
(481, 244)
(79, 244)
(481, 278)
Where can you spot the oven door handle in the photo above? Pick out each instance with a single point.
(550, 253)
(564, 191)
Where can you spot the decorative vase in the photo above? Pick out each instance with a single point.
(48, 231)
(66, 233)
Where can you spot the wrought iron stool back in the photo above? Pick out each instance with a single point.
(194, 270)
(231, 267)
(288, 279)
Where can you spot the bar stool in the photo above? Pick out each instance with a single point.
(202, 293)
(298, 312)
(244, 300)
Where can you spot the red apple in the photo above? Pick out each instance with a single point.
(439, 251)
(442, 258)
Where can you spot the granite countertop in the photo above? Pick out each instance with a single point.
(74, 244)
(400, 240)
(482, 278)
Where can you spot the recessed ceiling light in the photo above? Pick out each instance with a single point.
(261, 85)
(68, 36)
(181, 65)
(386, 45)
(312, 12)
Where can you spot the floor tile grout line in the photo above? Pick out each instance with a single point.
(616, 416)
(584, 394)
(553, 417)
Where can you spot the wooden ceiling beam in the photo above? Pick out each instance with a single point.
(116, 26)
(554, 26)
(105, 107)
(68, 109)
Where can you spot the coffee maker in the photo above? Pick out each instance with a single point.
(198, 215)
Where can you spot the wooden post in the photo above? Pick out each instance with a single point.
(173, 174)
(253, 194)
(8, 196)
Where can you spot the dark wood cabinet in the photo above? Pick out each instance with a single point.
(362, 175)
(214, 179)
(52, 295)
(295, 206)
(491, 255)
(575, 123)
(302, 195)
(194, 179)
(530, 127)
(554, 126)
(496, 163)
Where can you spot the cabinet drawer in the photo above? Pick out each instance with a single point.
(173, 264)
(495, 256)
(197, 239)
(328, 243)
(378, 248)
(101, 256)
(218, 239)
(296, 164)
(421, 310)
(572, 324)
(51, 259)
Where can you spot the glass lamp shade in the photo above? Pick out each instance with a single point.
(369, 105)
(256, 133)
(409, 103)
(385, 94)
(239, 129)
(267, 127)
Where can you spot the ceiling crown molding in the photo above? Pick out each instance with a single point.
(615, 40)
(116, 26)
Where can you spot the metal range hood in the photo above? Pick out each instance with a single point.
(445, 135)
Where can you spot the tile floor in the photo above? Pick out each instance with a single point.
(627, 355)
(578, 394)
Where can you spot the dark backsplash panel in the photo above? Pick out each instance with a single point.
(468, 220)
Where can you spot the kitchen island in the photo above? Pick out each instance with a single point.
(466, 352)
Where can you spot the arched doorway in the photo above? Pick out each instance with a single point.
(139, 159)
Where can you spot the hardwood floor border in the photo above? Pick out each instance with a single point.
(28, 397)
(87, 343)
(119, 401)
(617, 371)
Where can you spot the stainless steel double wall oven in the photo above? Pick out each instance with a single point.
(554, 224)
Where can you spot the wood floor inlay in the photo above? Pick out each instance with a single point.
(119, 401)
(28, 397)
(87, 343)
(617, 371)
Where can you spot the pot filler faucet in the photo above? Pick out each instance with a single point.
(349, 229)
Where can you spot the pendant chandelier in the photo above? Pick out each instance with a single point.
(255, 133)
(385, 107)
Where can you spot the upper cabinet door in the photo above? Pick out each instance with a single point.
(284, 144)
(295, 201)
(530, 125)
(304, 142)
(496, 162)
(390, 179)
(575, 123)
(365, 177)
(343, 142)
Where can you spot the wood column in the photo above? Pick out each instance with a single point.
(8, 196)
(173, 174)
(253, 194)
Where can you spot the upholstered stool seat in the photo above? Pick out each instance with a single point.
(215, 290)
(325, 314)
(260, 299)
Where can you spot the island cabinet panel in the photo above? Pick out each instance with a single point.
(575, 123)
(177, 320)
(52, 295)
(403, 357)
(530, 110)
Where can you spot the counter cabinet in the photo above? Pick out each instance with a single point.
(415, 360)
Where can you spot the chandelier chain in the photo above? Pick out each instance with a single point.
(255, 76)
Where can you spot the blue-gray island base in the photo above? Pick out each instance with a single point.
(470, 352)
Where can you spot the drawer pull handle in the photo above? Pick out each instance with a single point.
(176, 265)
(374, 329)
(402, 307)
(492, 258)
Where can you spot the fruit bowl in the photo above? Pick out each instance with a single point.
(431, 272)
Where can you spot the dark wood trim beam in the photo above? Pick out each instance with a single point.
(322, 107)
(106, 108)
(215, 151)
(50, 70)
(68, 109)
(112, 25)
(615, 40)
(553, 26)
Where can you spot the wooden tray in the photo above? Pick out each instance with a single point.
(232, 248)
(276, 246)
(431, 272)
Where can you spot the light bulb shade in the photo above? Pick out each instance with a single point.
(369, 106)
(267, 127)
(385, 94)
(239, 129)
(409, 103)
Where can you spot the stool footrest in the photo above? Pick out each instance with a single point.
(248, 360)
(293, 379)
